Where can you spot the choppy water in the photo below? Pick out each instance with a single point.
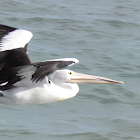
(105, 37)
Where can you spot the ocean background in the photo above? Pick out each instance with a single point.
(105, 37)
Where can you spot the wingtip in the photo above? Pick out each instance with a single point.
(76, 60)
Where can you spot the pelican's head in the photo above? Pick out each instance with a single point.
(68, 76)
(67, 81)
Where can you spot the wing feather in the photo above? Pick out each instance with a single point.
(13, 38)
(46, 68)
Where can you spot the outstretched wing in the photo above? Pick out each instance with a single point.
(13, 47)
(36, 72)
(47, 67)
(15, 66)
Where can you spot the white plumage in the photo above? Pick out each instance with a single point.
(16, 39)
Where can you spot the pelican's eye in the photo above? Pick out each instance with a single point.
(70, 73)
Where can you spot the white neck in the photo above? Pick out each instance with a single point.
(63, 91)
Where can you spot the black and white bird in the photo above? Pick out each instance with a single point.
(23, 82)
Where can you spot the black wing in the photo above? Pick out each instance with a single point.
(45, 68)
(35, 72)
(15, 63)
(13, 49)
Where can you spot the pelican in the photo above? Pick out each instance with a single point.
(23, 82)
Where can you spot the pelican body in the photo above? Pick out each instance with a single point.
(23, 82)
